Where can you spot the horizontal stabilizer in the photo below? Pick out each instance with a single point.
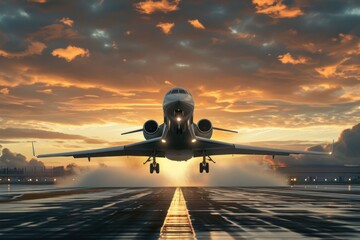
(134, 131)
(225, 130)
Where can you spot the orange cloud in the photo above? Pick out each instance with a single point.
(326, 71)
(355, 50)
(276, 9)
(169, 83)
(330, 70)
(70, 53)
(166, 27)
(34, 48)
(67, 21)
(245, 35)
(287, 58)
(196, 23)
(4, 91)
(38, 1)
(151, 6)
(345, 37)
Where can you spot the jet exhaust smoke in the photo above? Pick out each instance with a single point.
(243, 174)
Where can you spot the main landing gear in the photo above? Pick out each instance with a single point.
(154, 166)
(205, 165)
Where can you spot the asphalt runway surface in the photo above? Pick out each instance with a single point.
(181, 213)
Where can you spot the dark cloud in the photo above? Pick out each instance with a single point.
(348, 145)
(54, 32)
(346, 150)
(9, 159)
(232, 66)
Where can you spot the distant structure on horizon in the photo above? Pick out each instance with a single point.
(321, 174)
(313, 174)
(33, 175)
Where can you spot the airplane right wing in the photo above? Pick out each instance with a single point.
(144, 148)
(212, 147)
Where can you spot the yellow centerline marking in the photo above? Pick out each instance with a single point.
(177, 224)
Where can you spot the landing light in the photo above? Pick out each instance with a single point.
(193, 140)
(163, 140)
(178, 119)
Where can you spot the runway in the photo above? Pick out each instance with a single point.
(186, 213)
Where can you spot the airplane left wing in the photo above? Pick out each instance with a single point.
(144, 148)
(212, 147)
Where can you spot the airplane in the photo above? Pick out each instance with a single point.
(178, 138)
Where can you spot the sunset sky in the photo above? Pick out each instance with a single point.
(75, 74)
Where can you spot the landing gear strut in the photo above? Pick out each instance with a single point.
(205, 165)
(154, 166)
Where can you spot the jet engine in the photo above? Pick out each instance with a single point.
(204, 128)
(151, 129)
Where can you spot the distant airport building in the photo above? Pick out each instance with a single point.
(333, 174)
(32, 175)
(320, 174)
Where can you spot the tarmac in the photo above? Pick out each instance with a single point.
(312, 212)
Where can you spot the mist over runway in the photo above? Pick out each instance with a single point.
(331, 212)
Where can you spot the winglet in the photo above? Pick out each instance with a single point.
(33, 148)
(332, 148)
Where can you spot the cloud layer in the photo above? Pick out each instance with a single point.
(9, 159)
(345, 151)
(255, 64)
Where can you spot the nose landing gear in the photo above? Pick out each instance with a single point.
(205, 165)
(154, 166)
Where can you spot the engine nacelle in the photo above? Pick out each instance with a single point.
(151, 129)
(204, 128)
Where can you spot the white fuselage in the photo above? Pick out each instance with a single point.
(178, 106)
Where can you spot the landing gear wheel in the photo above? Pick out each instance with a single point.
(151, 168)
(207, 167)
(157, 168)
(201, 167)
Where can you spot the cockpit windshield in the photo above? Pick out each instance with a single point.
(178, 90)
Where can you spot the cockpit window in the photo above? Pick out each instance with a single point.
(177, 90)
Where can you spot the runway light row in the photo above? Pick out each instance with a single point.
(26, 179)
(294, 179)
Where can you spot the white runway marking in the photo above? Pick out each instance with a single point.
(177, 224)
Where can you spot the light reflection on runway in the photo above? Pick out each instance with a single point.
(215, 213)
